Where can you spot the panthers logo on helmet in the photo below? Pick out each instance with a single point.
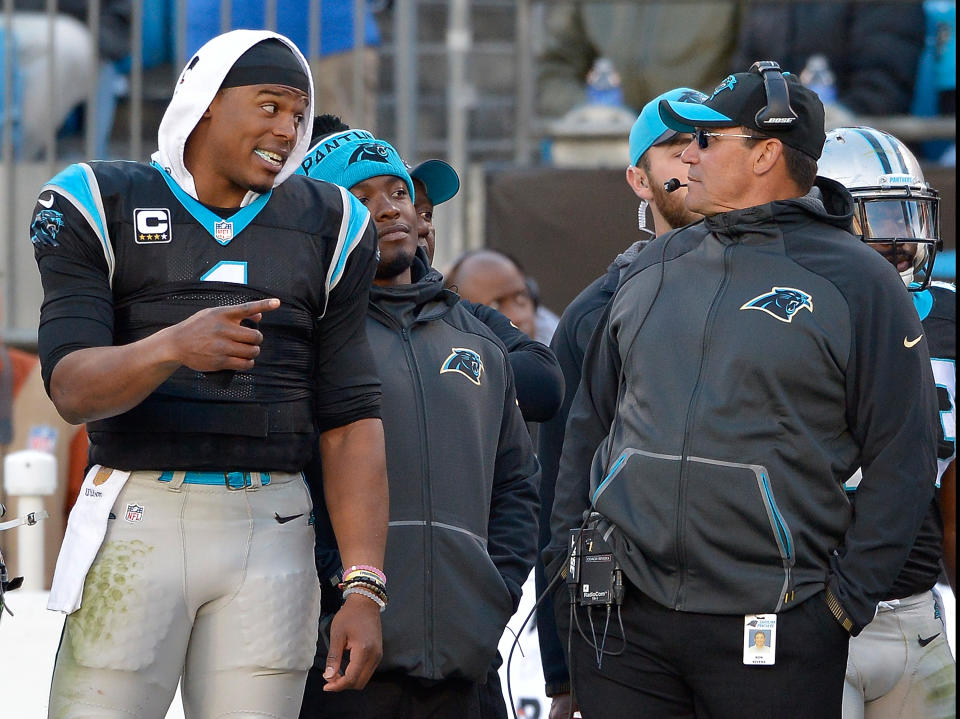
(781, 302)
(45, 227)
(371, 152)
(729, 82)
(464, 361)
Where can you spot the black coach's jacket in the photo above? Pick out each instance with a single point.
(463, 481)
(749, 364)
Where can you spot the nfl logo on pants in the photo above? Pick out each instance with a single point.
(134, 513)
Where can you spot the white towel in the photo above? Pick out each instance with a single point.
(86, 529)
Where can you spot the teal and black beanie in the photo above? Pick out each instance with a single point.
(352, 156)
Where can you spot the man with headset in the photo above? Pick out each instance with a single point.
(654, 162)
(748, 363)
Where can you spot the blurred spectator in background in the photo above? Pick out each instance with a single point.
(493, 278)
(44, 108)
(936, 89)
(870, 49)
(332, 70)
(654, 47)
(545, 320)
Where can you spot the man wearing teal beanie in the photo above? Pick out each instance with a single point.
(463, 475)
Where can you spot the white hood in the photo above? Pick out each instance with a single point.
(196, 87)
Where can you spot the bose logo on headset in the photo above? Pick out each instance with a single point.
(777, 110)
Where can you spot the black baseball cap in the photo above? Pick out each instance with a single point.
(764, 99)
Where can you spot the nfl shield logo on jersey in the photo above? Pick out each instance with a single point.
(134, 513)
(223, 231)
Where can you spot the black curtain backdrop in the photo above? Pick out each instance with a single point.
(566, 225)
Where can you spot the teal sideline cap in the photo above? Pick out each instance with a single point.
(352, 156)
(440, 179)
(649, 129)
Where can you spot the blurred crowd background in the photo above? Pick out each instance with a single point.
(530, 101)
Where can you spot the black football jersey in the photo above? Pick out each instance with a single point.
(124, 252)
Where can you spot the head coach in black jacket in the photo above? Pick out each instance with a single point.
(463, 475)
(747, 365)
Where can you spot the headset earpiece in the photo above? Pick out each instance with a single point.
(777, 112)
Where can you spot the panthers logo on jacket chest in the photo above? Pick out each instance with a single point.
(782, 303)
(464, 361)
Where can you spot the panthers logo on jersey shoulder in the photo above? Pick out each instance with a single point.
(464, 361)
(45, 228)
(783, 303)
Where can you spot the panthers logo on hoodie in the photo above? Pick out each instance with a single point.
(464, 361)
(781, 302)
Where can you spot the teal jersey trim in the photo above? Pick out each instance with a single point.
(207, 218)
(78, 184)
(923, 302)
(355, 221)
(353, 224)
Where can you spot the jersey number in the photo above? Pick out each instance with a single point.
(945, 375)
(227, 271)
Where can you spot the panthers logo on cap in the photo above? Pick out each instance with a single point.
(371, 152)
(783, 303)
(729, 82)
(464, 361)
(692, 96)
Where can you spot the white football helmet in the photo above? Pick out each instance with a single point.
(895, 210)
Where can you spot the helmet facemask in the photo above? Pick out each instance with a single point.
(895, 211)
(902, 225)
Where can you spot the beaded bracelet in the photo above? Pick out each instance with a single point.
(376, 576)
(369, 595)
(367, 584)
(366, 578)
(379, 572)
(366, 581)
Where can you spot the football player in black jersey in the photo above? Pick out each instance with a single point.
(207, 326)
(901, 664)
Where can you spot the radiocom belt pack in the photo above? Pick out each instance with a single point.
(592, 566)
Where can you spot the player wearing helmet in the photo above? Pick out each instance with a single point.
(901, 665)
(896, 212)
